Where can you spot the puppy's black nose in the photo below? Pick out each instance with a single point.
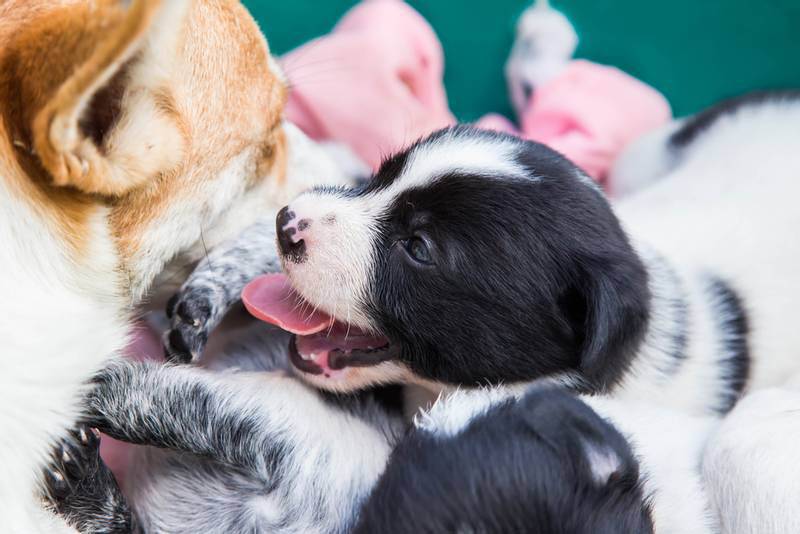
(291, 248)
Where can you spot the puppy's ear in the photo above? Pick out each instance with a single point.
(596, 447)
(609, 310)
(604, 462)
(98, 131)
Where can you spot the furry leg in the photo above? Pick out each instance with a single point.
(216, 285)
(261, 423)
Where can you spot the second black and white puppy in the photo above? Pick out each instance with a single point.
(475, 258)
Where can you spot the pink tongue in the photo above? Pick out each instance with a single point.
(270, 297)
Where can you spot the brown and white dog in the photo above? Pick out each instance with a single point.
(131, 137)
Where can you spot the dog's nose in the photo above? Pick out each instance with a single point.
(291, 245)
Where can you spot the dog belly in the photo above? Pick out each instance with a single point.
(174, 492)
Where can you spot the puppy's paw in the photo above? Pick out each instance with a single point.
(81, 488)
(190, 313)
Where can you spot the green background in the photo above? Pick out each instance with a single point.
(694, 51)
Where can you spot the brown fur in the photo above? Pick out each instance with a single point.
(56, 57)
(131, 136)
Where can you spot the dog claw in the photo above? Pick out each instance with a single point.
(83, 436)
(82, 489)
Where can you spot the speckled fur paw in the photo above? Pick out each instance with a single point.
(189, 312)
(81, 488)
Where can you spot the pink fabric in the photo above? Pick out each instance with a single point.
(375, 83)
(590, 112)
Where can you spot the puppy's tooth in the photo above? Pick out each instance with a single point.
(65, 457)
(83, 436)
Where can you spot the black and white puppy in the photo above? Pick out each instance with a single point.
(477, 258)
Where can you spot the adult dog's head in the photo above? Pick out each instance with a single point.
(480, 258)
(136, 133)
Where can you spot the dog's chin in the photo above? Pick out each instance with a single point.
(352, 379)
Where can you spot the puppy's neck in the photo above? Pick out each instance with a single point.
(694, 353)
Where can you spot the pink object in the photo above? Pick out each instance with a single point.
(271, 298)
(375, 84)
(590, 112)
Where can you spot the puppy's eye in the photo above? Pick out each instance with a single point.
(418, 249)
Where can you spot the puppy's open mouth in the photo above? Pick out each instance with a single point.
(321, 344)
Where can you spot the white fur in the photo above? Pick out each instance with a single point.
(728, 208)
(751, 466)
(642, 162)
(450, 154)
(669, 445)
(454, 411)
(544, 44)
(58, 328)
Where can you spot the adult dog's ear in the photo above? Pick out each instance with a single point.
(109, 126)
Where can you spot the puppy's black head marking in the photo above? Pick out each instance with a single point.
(529, 276)
(546, 464)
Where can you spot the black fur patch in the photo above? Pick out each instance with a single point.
(733, 328)
(696, 125)
(522, 467)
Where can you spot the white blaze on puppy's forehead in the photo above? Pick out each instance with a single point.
(456, 152)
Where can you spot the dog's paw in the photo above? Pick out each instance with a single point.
(81, 488)
(190, 313)
(83, 166)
